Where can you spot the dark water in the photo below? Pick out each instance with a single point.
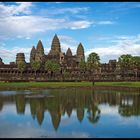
(69, 113)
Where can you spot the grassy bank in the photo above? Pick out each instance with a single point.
(45, 85)
(119, 84)
(42, 85)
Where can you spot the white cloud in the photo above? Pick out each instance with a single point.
(13, 24)
(123, 7)
(10, 54)
(68, 42)
(15, 21)
(124, 45)
(28, 37)
(105, 22)
(29, 25)
(20, 7)
(68, 39)
(24, 7)
(80, 24)
(65, 46)
(72, 10)
(130, 39)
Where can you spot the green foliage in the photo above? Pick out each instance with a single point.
(52, 66)
(48, 65)
(56, 67)
(21, 66)
(125, 61)
(82, 65)
(93, 61)
(36, 65)
(136, 61)
(66, 74)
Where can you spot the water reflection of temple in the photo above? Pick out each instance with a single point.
(66, 101)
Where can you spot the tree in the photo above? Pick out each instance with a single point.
(136, 64)
(21, 66)
(126, 62)
(48, 65)
(82, 65)
(136, 61)
(52, 66)
(35, 66)
(93, 62)
(55, 67)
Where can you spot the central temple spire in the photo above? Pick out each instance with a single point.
(55, 47)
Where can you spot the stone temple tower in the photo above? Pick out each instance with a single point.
(80, 53)
(39, 55)
(20, 57)
(32, 54)
(69, 53)
(55, 47)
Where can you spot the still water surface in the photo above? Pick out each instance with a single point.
(69, 113)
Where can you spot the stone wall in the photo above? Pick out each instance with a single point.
(12, 73)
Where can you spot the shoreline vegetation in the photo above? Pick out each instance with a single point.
(130, 86)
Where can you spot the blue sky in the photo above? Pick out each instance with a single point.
(107, 28)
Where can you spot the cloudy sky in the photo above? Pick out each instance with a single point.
(107, 28)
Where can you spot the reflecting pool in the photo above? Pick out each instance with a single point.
(72, 112)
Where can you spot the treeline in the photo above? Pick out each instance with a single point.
(126, 66)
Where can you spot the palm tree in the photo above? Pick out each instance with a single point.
(125, 62)
(52, 66)
(48, 66)
(21, 66)
(35, 66)
(93, 62)
(56, 67)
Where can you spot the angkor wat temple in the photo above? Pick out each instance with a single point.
(69, 64)
(66, 60)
